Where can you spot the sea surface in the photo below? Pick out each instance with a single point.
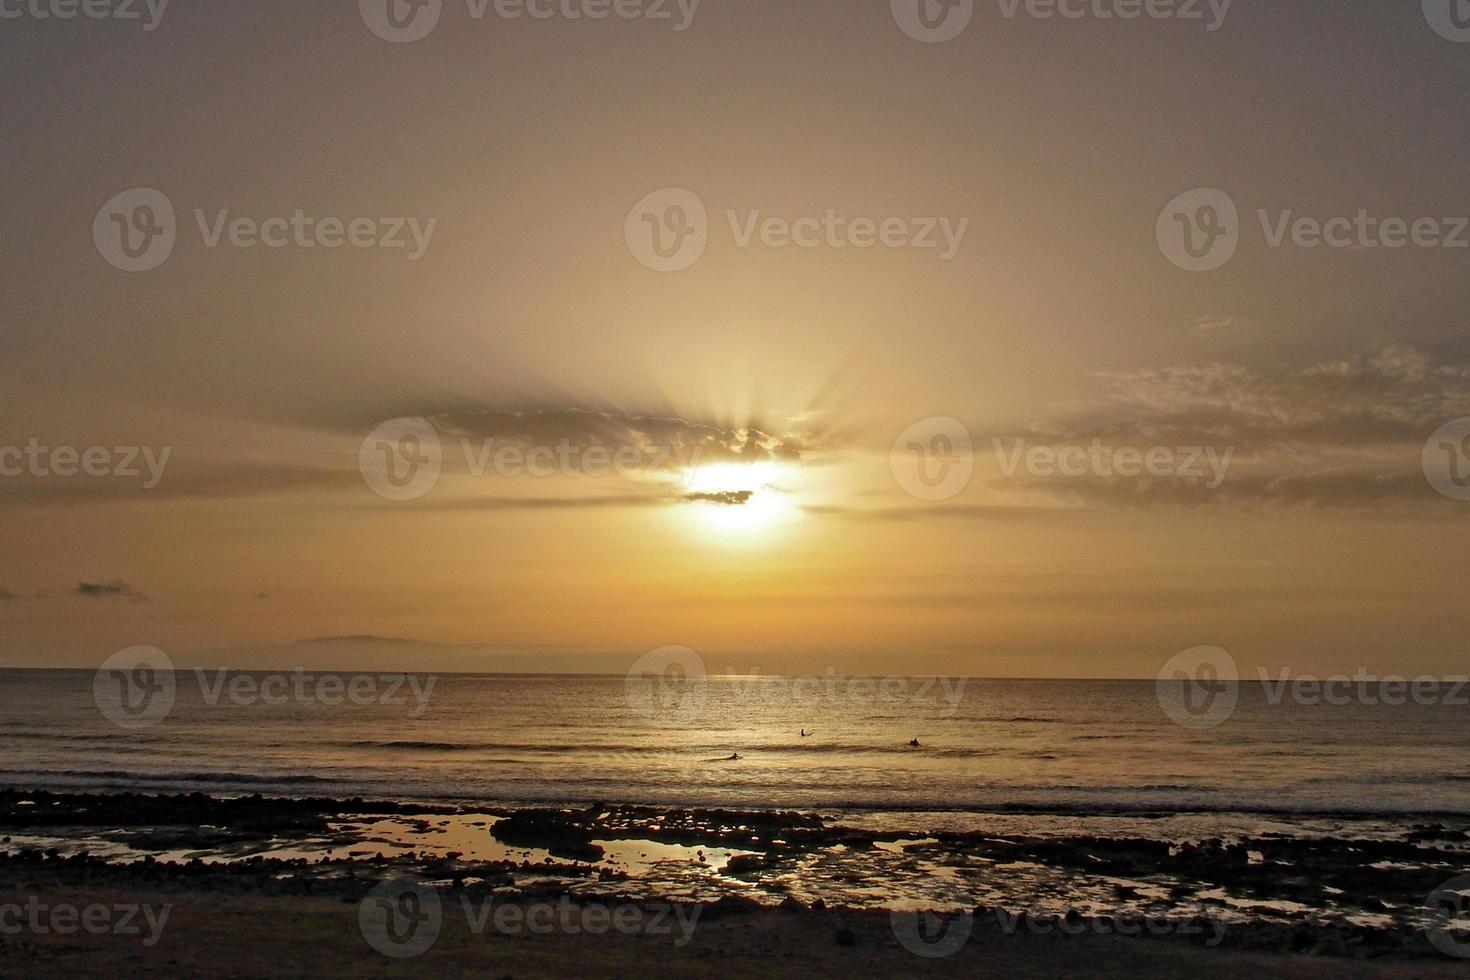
(1059, 748)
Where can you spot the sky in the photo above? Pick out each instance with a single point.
(801, 265)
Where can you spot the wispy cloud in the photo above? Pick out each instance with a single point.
(558, 503)
(212, 480)
(921, 511)
(1218, 325)
(1338, 435)
(116, 589)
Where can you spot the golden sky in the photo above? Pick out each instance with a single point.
(771, 517)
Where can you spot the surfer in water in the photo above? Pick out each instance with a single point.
(807, 734)
(734, 757)
(913, 743)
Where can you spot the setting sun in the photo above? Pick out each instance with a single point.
(738, 497)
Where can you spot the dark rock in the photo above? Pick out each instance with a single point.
(745, 863)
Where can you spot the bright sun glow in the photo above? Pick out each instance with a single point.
(738, 497)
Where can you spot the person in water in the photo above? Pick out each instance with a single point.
(734, 756)
(913, 743)
(807, 734)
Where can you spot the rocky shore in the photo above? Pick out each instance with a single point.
(1206, 896)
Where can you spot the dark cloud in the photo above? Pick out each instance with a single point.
(662, 442)
(729, 498)
(116, 589)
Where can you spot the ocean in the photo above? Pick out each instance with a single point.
(985, 746)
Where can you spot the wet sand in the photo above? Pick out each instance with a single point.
(223, 935)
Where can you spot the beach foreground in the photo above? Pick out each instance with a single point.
(211, 934)
(249, 886)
